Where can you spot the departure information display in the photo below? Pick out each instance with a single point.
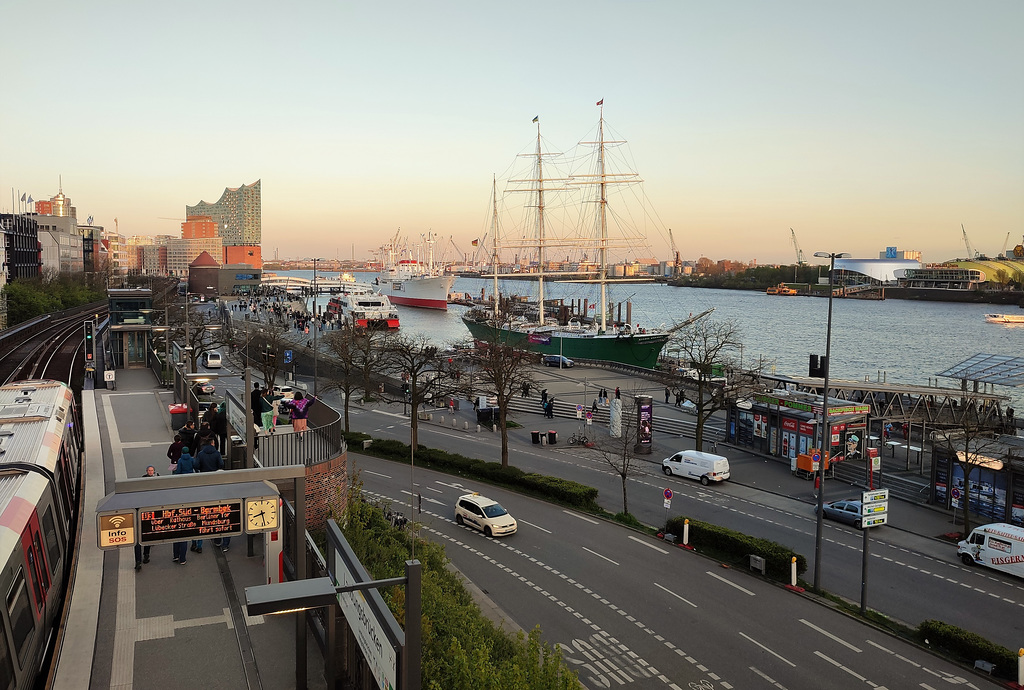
(184, 522)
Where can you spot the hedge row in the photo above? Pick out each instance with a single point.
(968, 647)
(731, 546)
(561, 490)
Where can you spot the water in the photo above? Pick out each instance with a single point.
(903, 341)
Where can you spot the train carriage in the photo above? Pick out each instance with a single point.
(40, 452)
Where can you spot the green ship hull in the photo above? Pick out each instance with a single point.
(638, 350)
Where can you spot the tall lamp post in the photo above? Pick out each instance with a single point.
(825, 436)
(316, 324)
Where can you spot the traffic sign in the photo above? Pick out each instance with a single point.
(668, 494)
(668, 503)
(876, 495)
(874, 508)
(955, 493)
(579, 411)
(287, 356)
(876, 520)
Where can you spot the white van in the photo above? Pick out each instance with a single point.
(211, 360)
(707, 467)
(999, 546)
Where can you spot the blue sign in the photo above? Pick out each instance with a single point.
(890, 252)
(287, 356)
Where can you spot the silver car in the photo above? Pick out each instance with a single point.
(843, 511)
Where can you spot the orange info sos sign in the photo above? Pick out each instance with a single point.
(115, 530)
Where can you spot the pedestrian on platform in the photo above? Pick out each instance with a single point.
(189, 436)
(174, 452)
(593, 408)
(254, 402)
(186, 465)
(668, 394)
(220, 427)
(142, 553)
(299, 407)
(267, 412)
(617, 395)
(208, 459)
(544, 397)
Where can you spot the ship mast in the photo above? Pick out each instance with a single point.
(540, 228)
(602, 211)
(494, 242)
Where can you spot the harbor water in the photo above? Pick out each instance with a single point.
(899, 341)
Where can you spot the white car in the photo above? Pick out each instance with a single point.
(485, 515)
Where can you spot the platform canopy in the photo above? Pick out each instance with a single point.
(997, 369)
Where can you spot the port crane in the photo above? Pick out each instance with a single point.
(971, 254)
(800, 261)
(677, 264)
(1006, 243)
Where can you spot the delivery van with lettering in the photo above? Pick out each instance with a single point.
(999, 546)
(706, 467)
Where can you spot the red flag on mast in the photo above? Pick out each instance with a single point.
(601, 102)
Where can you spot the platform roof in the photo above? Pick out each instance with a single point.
(999, 369)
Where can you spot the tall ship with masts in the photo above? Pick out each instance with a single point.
(600, 338)
(411, 280)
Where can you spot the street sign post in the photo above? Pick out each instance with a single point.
(874, 510)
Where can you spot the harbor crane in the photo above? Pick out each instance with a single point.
(971, 254)
(1006, 243)
(800, 261)
(677, 263)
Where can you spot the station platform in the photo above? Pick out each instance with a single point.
(165, 625)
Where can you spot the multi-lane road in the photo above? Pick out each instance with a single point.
(630, 611)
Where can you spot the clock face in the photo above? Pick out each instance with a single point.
(261, 514)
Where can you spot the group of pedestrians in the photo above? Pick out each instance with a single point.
(192, 450)
(266, 406)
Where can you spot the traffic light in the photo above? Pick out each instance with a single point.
(90, 350)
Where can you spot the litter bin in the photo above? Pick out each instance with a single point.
(179, 415)
(237, 453)
(485, 415)
(536, 437)
(552, 437)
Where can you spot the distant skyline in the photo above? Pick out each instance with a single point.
(860, 125)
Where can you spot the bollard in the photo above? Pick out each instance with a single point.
(477, 428)
(455, 423)
(442, 419)
(466, 426)
(686, 534)
(494, 428)
(792, 586)
(1020, 667)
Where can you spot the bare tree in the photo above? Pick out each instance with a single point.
(620, 452)
(353, 358)
(971, 446)
(503, 370)
(708, 346)
(417, 362)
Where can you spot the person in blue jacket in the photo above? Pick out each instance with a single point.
(186, 465)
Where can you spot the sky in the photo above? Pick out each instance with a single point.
(860, 125)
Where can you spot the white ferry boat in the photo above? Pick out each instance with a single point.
(364, 308)
(413, 282)
(1004, 318)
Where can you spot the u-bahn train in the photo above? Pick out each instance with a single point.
(40, 462)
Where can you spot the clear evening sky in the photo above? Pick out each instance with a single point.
(859, 124)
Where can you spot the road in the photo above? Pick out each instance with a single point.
(630, 611)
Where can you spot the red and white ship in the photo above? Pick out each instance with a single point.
(411, 281)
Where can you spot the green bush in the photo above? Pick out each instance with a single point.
(968, 647)
(562, 490)
(732, 547)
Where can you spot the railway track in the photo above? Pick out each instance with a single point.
(47, 347)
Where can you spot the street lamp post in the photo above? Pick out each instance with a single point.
(316, 327)
(825, 436)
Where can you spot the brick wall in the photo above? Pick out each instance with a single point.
(326, 487)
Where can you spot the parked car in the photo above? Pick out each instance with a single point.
(558, 361)
(843, 511)
(485, 515)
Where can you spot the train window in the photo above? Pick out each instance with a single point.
(52, 541)
(37, 548)
(22, 621)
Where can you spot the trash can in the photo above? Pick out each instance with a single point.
(485, 415)
(237, 453)
(179, 415)
(552, 437)
(536, 437)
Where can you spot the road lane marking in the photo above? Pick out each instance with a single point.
(777, 656)
(731, 584)
(767, 677)
(599, 555)
(835, 663)
(826, 633)
(650, 546)
(675, 595)
(535, 526)
(577, 515)
(389, 414)
(430, 488)
(378, 474)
